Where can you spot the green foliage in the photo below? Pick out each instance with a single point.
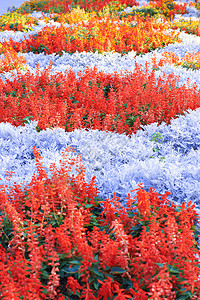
(143, 12)
(27, 119)
(158, 138)
(30, 7)
(191, 65)
(6, 232)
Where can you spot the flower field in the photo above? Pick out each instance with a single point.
(100, 150)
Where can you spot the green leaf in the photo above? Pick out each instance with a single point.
(27, 119)
(117, 270)
(131, 214)
(156, 136)
(62, 255)
(101, 277)
(187, 295)
(147, 229)
(88, 205)
(96, 285)
(128, 283)
(136, 227)
(74, 262)
(73, 269)
(173, 270)
(45, 275)
(95, 271)
(160, 265)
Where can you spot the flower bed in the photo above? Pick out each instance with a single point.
(100, 170)
(100, 35)
(123, 102)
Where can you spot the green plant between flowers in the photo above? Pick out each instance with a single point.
(158, 138)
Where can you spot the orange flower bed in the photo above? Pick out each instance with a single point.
(101, 35)
(168, 7)
(10, 60)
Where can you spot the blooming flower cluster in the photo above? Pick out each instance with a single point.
(188, 25)
(119, 162)
(17, 22)
(99, 152)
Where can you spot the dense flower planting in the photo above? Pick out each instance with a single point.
(56, 242)
(168, 7)
(10, 60)
(63, 6)
(17, 22)
(165, 158)
(117, 102)
(70, 231)
(100, 35)
(188, 26)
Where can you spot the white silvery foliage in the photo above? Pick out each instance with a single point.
(39, 14)
(16, 154)
(190, 43)
(110, 62)
(192, 12)
(118, 162)
(107, 62)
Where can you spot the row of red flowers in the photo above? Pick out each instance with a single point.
(115, 102)
(56, 242)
